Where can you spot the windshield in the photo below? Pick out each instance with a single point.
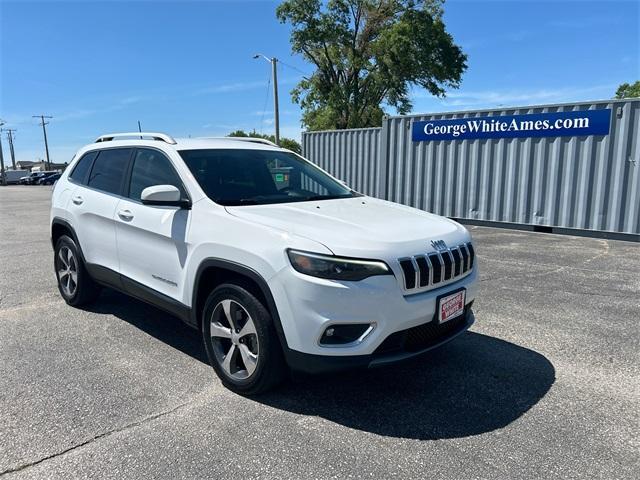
(259, 177)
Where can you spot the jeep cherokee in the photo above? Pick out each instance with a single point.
(276, 263)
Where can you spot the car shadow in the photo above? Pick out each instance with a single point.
(473, 385)
(151, 320)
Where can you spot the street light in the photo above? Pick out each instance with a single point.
(274, 72)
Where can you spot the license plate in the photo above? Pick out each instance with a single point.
(451, 306)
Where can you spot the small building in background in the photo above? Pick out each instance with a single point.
(40, 166)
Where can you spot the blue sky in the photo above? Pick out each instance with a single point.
(186, 68)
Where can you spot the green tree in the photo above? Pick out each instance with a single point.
(369, 53)
(288, 143)
(628, 91)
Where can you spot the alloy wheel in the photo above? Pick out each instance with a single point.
(67, 271)
(234, 339)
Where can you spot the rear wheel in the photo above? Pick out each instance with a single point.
(241, 341)
(74, 283)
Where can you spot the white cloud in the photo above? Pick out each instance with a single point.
(230, 87)
(112, 104)
(78, 113)
(478, 42)
(241, 86)
(269, 113)
(291, 131)
(585, 22)
(220, 130)
(57, 154)
(494, 98)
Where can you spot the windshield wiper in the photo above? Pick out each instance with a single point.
(326, 197)
(241, 201)
(264, 200)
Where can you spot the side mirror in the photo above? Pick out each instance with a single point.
(163, 196)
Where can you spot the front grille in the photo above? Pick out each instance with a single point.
(422, 271)
(429, 334)
(434, 259)
(409, 272)
(423, 336)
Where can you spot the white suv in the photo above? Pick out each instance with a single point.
(274, 261)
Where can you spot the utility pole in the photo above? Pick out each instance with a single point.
(44, 132)
(10, 132)
(276, 111)
(3, 177)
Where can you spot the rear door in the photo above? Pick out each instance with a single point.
(93, 206)
(152, 240)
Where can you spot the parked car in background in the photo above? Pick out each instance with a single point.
(49, 179)
(31, 178)
(13, 176)
(35, 177)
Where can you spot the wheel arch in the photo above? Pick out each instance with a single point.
(215, 271)
(59, 227)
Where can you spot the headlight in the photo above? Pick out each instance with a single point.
(336, 268)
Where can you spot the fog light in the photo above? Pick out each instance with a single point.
(344, 334)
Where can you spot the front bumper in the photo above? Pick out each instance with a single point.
(307, 306)
(397, 347)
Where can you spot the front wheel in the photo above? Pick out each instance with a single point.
(241, 341)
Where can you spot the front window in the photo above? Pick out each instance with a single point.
(150, 167)
(259, 177)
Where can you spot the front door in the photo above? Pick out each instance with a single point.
(152, 240)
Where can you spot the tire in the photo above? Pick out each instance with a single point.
(247, 364)
(74, 283)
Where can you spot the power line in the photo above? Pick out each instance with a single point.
(44, 132)
(264, 107)
(294, 68)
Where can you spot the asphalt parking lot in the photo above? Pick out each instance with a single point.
(545, 385)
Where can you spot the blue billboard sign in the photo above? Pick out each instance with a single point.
(551, 124)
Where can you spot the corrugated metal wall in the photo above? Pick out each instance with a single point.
(350, 155)
(587, 182)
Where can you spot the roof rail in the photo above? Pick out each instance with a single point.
(264, 141)
(162, 137)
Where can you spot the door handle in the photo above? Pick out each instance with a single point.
(125, 215)
(77, 200)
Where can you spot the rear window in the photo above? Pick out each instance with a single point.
(109, 169)
(80, 171)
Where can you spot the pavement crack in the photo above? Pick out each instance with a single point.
(129, 426)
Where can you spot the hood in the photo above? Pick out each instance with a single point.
(359, 226)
